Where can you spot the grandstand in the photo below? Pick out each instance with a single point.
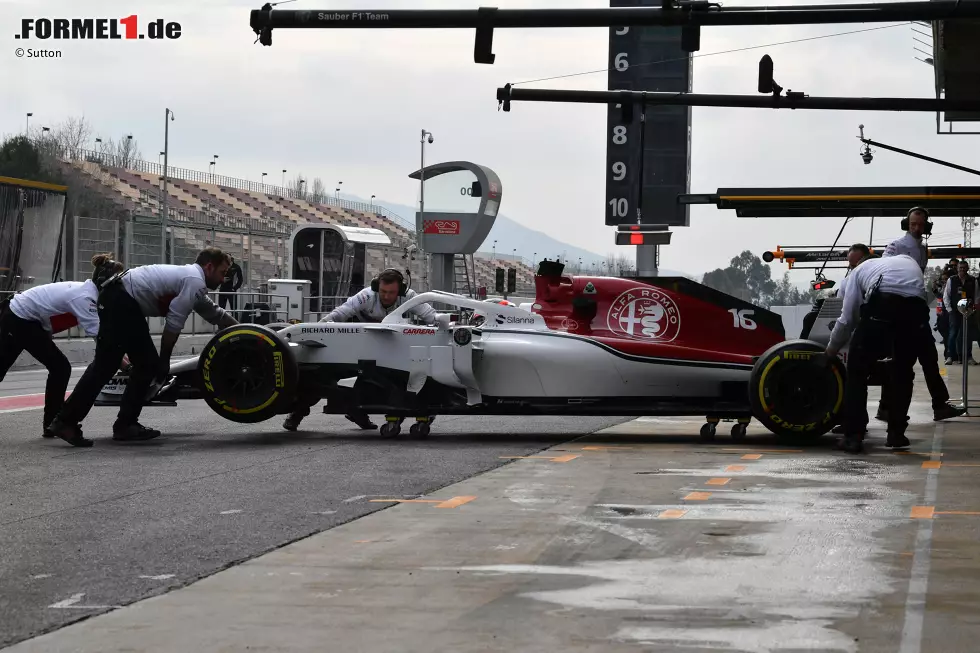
(245, 218)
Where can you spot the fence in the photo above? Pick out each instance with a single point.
(136, 241)
(185, 174)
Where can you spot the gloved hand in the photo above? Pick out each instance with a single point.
(824, 359)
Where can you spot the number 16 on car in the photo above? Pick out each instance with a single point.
(742, 318)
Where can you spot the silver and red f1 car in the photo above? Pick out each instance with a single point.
(659, 346)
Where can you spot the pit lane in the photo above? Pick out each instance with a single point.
(84, 530)
(633, 537)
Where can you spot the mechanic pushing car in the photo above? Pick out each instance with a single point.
(916, 225)
(387, 292)
(29, 319)
(884, 308)
(126, 300)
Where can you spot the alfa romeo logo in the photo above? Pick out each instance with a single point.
(645, 314)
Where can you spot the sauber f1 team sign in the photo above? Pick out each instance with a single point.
(645, 314)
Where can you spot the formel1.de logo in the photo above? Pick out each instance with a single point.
(645, 314)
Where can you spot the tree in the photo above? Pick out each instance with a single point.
(319, 191)
(40, 160)
(749, 279)
(730, 280)
(72, 136)
(758, 276)
(295, 186)
(19, 158)
(127, 152)
(787, 294)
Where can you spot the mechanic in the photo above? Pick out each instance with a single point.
(855, 255)
(885, 306)
(942, 315)
(124, 304)
(961, 285)
(29, 319)
(916, 225)
(230, 284)
(387, 292)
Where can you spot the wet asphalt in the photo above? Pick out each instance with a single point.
(117, 522)
(636, 537)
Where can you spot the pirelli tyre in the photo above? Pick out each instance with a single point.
(795, 394)
(248, 374)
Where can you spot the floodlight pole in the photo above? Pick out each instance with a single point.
(167, 117)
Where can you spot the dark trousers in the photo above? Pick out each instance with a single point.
(228, 300)
(18, 335)
(957, 322)
(942, 327)
(122, 330)
(890, 326)
(929, 361)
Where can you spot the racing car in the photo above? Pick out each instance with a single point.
(650, 346)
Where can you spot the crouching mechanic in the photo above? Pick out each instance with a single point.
(29, 319)
(126, 300)
(886, 310)
(387, 292)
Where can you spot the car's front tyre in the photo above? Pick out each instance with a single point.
(248, 374)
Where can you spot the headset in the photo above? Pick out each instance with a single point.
(927, 230)
(402, 286)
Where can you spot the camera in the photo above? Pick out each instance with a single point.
(866, 156)
(430, 139)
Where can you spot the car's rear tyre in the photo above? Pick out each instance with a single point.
(248, 374)
(793, 395)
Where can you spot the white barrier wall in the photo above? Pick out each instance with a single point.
(792, 318)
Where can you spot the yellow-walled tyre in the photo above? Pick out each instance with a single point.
(248, 374)
(794, 395)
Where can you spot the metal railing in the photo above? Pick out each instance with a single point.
(186, 174)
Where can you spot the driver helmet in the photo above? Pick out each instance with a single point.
(479, 317)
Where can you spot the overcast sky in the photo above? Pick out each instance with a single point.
(348, 106)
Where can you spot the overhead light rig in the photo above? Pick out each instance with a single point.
(690, 15)
(767, 85)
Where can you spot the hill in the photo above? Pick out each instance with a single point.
(510, 234)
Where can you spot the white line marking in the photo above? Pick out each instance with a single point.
(915, 601)
(229, 512)
(69, 602)
(357, 498)
(160, 577)
(19, 410)
(326, 512)
(40, 576)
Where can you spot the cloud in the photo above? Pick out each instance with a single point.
(348, 106)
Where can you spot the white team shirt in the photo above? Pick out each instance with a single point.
(366, 306)
(168, 290)
(910, 246)
(60, 306)
(899, 274)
